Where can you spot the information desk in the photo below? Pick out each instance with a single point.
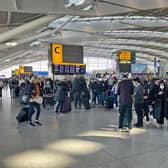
(69, 68)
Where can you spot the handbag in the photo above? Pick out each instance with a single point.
(37, 99)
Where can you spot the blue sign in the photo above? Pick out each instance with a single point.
(40, 73)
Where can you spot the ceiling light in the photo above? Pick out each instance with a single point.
(35, 44)
(80, 4)
(12, 44)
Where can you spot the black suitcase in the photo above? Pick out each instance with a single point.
(48, 100)
(109, 102)
(67, 105)
(86, 103)
(17, 89)
(22, 116)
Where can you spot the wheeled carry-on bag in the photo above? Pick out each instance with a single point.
(109, 102)
(67, 105)
(22, 116)
(86, 103)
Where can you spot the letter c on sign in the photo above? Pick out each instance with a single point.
(56, 48)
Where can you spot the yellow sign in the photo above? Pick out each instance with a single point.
(124, 55)
(21, 69)
(57, 53)
(16, 71)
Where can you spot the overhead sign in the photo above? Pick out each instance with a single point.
(56, 53)
(123, 68)
(40, 73)
(67, 59)
(21, 69)
(69, 69)
(28, 69)
(124, 55)
(16, 71)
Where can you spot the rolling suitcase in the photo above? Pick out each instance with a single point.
(48, 101)
(22, 116)
(67, 105)
(109, 102)
(17, 89)
(86, 102)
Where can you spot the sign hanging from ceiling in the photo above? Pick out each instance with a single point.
(57, 56)
(67, 59)
(124, 55)
(21, 69)
(16, 71)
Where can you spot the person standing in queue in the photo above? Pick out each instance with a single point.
(138, 101)
(33, 92)
(160, 103)
(125, 92)
(60, 96)
(1, 86)
(77, 91)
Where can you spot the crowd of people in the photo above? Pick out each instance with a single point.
(149, 97)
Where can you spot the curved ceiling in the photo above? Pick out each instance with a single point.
(27, 27)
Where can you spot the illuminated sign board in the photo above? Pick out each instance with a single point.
(16, 71)
(21, 69)
(56, 52)
(124, 55)
(67, 59)
(69, 69)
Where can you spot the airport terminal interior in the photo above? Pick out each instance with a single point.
(83, 84)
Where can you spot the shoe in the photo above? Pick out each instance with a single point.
(136, 124)
(120, 130)
(127, 129)
(31, 124)
(37, 123)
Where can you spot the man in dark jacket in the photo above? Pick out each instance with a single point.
(60, 96)
(77, 91)
(138, 101)
(125, 92)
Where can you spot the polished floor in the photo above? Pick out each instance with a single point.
(80, 139)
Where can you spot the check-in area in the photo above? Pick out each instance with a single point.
(83, 83)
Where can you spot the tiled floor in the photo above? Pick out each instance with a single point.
(80, 139)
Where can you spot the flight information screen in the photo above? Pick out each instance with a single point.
(69, 69)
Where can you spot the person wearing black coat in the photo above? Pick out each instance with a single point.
(146, 100)
(160, 105)
(138, 101)
(60, 96)
(77, 91)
